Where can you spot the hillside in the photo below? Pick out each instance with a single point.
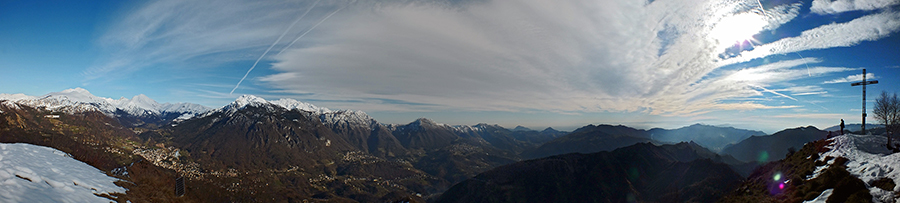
(768, 148)
(849, 168)
(43, 174)
(255, 150)
(641, 172)
(590, 139)
(287, 150)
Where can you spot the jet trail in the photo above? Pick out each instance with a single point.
(761, 8)
(805, 63)
(270, 47)
(773, 92)
(310, 29)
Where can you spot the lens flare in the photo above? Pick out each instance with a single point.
(781, 186)
(762, 157)
(777, 176)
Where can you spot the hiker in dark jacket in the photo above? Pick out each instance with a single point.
(842, 126)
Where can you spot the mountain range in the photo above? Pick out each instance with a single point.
(310, 151)
(259, 150)
(595, 138)
(137, 111)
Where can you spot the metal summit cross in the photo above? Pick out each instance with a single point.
(864, 83)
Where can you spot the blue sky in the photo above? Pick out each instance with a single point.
(765, 65)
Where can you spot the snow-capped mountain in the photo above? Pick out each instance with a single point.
(254, 101)
(326, 116)
(80, 100)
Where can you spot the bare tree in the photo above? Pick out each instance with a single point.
(887, 110)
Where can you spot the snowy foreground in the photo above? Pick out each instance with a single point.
(54, 177)
(869, 160)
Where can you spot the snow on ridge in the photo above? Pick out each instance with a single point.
(52, 176)
(294, 104)
(139, 105)
(289, 104)
(869, 160)
(16, 97)
(246, 100)
(325, 115)
(348, 117)
(78, 100)
(822, 198)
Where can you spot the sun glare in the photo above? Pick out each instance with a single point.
(737, 29)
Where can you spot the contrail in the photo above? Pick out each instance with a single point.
(310, 29)
(761, 8)
(766, 15)
(270, 47)
(773, 92)
(804, 63)
(784, 95)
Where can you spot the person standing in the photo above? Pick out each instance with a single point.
(842, 126)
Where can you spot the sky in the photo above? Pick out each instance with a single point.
(756, 64)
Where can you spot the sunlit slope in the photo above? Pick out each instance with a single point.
(31, 173)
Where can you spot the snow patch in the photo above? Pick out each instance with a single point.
(822, 197)
(54, 177)
(869, 160)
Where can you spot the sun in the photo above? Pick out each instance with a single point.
(737, 29)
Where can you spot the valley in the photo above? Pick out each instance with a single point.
(289, 151)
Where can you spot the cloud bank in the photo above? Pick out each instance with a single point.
(497, 55)
(852, 78)
(839, 6)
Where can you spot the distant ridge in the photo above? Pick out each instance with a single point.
(137, 111)
(596, 138)
(853, 127)
(642, 172)
(774, 147)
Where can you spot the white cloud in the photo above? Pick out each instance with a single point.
(498, 55)
(813, 115)
(207, 33)
(852, 78)
(839, 6)
(866, 28)
(507, 55)
(804, 90)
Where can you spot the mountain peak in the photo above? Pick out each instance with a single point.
(142, 98)
(77, 95)
(521, 128)
(299, 105)
(247, 99)
(423, 122)
(77, 90)
(143, 101)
